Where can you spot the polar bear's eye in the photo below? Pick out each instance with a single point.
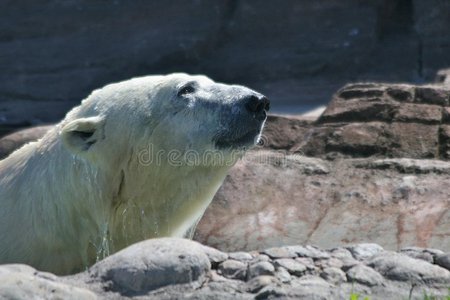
(186, 89)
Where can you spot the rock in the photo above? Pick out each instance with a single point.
(215, 256)
(401, 93)
(364, 275)
(432, 95)
(333, 275)
(261, 205)
(280, 252)
(331, 262)
(261, 268)
(233, 269)
(428, 114)
(241, 256)
(402, 123)
(23, 282)
(341, 253)
(444, 137)
(67, 73)
(257, 283)
(16, 140)
(307, 261)
(260, 257)
(282, 132)
(308, 287)
(283, 275)
(364, 251)
(387, 102)
(418, 253)
(311, 287)
(153, 264)
(443, 260)
(309, 251)
(404, 268)
(292, 266)
(408, 166)
(396, 276)
(272, 292)
(390, 124)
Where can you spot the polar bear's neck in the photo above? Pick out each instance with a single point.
(163, 200)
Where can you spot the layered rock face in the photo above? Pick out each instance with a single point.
(182, 269)
(297, 51)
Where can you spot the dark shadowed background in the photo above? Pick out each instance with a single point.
(298, 52)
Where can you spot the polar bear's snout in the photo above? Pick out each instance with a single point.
(243, 126)
(257, 105)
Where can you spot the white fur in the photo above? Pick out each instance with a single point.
(67, 201)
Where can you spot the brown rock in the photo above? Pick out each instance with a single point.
(282, 132)
(402, 93)
(432, 95)
(360, 139)
(415, 140)
(264, 205)
(359, 102)
(419, 113)
(16, 140)
(361, 93)
(359, 110)
(444, 141)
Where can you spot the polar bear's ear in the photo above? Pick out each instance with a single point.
(79, 135)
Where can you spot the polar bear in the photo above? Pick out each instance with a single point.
(136, 159)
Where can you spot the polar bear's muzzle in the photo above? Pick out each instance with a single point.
(257, 106)
(246, 128)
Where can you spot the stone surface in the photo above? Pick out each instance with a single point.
(24, 282)
(364, 275)
(418, 253)
(233, 269)
(364, 251)
(257, 283)
(292, 266)
(333, 275)
(283, 275)
(153, 264)
(280, 252)
(261, 268)
(409, 166)
(215, 256)
(403, 268)
(241, 256)
(393, 202)
(443, 260)
(387, 275)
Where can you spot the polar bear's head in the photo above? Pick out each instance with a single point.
(177, 113)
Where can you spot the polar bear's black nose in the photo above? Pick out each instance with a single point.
(258, 105)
